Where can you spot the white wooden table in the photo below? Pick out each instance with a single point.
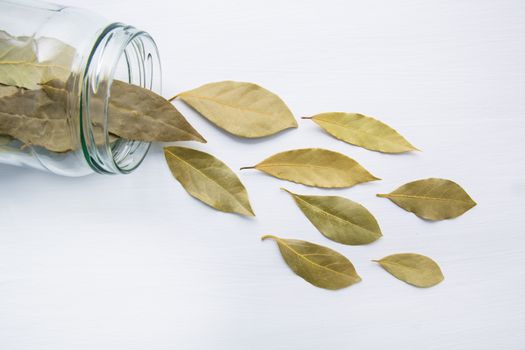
(133, 262)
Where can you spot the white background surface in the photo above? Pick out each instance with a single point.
(133, 262)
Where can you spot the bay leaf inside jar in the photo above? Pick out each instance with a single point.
(34, 75)
(39, 117)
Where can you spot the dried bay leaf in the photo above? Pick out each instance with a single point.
(7, 90)
(136, 113)
(5, 140)
(339, 219)
(318, 265)
(13, 52)
(242, 109)
(27, 62)
(113, 138)
(58, 55)
(360, 130)
(139, 114)
(432, 199)
(35, 119)
(208, 179)
(315, 167)
(39, 117)
(415, 269)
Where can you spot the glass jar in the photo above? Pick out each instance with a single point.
(87, 53)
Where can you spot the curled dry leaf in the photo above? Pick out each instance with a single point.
(415, 269)
(432, 199)
(315, 167)
(363, 131)
(339, 219)
(208, 179)
(318, 265)
(242, 109)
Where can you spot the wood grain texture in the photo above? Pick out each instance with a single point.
(130, 262)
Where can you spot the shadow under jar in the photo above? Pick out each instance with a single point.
(47, 48)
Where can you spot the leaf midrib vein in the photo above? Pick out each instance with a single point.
(24, 116)
(314, 263)
(226, 104)
(297, 165)
(40, 65)
(123, 108)
(335, 216)
(359, 131)
(426, 198)
(401, 265)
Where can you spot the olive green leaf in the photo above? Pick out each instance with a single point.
(318, 265)
(417, 270)
(363, 131)
(315, 167)
(242, 109)
(339, 219)
(27, 62)
(208, 179)
(432, 199)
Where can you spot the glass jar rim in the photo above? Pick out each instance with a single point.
(139, 51)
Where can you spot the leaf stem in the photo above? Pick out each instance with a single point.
(174, 97)
(247, 167)
(306, 117)
(269, 236)
(285, 190)
(382, 195)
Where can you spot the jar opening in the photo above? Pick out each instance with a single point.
(127, 54)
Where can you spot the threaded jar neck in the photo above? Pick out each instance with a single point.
(121, 52)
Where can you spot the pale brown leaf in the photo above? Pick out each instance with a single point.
(242, 109)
